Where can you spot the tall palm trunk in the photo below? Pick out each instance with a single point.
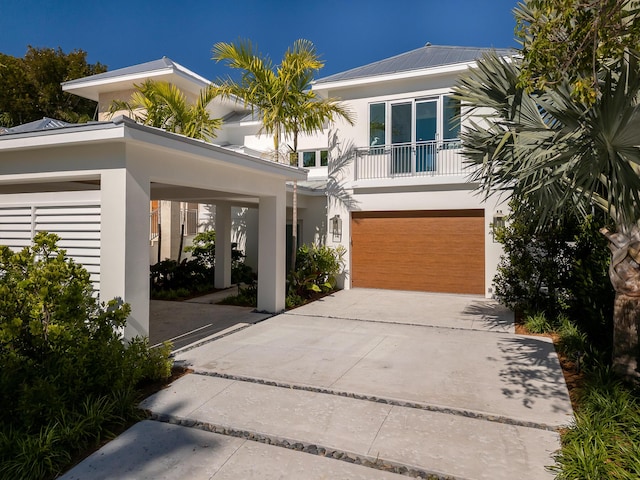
(624, 273)
(294, 209)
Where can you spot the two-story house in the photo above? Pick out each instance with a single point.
(416, 222)
(408, 217)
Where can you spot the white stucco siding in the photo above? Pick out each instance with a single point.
(312, 214)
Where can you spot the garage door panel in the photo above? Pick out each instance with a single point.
(439, 251)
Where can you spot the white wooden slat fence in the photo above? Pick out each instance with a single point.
(73, 216)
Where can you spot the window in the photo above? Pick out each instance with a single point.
(314, 158)
(419, 120)
(324, 158)
(450, 118)
(377, 122)
(308, 159)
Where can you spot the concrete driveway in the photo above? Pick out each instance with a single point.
(185, 323)
(363, 384)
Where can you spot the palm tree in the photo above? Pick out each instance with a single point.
(282, 96)
(163, 105)
(559, 152)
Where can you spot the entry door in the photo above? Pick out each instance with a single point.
(401, 138)
(426, 131)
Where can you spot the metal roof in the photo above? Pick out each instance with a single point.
(155, 65)
(421, 58)
(45, 123)
(160, 64)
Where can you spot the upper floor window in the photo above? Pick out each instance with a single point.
(313, 158)
(377, 122)
(417, 120)
(450, 118)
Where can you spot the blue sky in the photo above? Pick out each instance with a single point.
(346, 33)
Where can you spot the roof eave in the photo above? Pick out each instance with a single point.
(91, 89)
(395, 76)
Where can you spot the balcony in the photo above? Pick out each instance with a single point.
(401, 160)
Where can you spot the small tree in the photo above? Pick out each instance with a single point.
(282, 96)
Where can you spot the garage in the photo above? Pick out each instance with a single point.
(426, 250)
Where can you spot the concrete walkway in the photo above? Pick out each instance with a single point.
(364, 384)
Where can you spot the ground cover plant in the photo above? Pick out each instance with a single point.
(68, 380)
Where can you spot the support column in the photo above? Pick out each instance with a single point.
(223, 246)
(271, 252)
(124, 245)
(170, 229)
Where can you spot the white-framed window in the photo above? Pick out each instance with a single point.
(313, 158)
(414, 120)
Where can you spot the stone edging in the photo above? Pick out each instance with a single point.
(313, 449)
(377, 399)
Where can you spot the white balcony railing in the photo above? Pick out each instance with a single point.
(420, 159)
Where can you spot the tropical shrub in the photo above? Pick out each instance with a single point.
(559, 270)
(67, 377)
(316, 270)
(591, 292)
(172, 280)
(203, 248)
(533, 274)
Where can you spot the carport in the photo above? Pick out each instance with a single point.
(92, 183)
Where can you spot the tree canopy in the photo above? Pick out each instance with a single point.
(280, 93)
(574, 40)
(30, 86)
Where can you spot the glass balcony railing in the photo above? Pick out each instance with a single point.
(419, 159)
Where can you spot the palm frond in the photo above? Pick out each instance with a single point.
(551, 148)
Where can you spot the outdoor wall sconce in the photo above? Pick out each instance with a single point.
(498, 223)
(335, 228)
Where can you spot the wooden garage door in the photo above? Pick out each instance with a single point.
(433, 251)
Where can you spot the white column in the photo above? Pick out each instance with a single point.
(124, 245)
(271, 252)
(223, 246)
(169, 229)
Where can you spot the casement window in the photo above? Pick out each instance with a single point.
(313, 158)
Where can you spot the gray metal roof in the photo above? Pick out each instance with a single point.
(424, 57)
(160, 64)
(45, 123)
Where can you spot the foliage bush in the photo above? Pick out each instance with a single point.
(592, 295)
(171, 280)
(67, 377)
(561, 270)
(316, 270)
(533, 274)
(315, 273)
